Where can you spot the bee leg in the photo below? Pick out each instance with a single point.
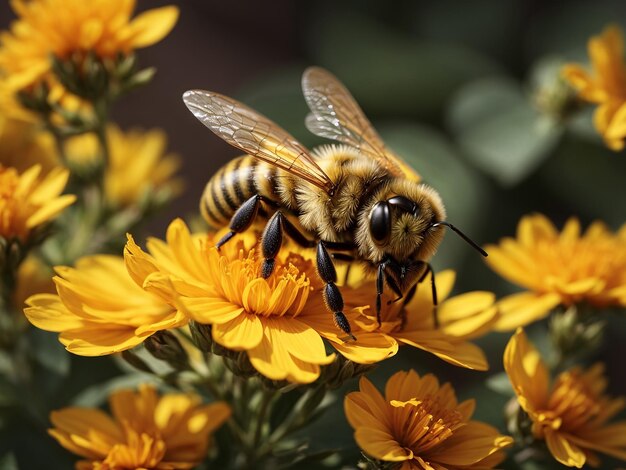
(348, 258)
(409, 296)
(429, 269)
(332, 295)
(296, 235)
(380, 284)
(394, 287)
(271, 241)
(242, 219)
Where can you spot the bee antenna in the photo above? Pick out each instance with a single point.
(462, 235)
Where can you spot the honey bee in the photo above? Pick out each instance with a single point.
(355, 200)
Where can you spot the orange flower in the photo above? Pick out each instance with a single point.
(421, 425)
(571, 415)
(146, 431)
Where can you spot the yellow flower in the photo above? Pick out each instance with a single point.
(606, 86)
(571, 415)
(67, 27)
(98, 308)
(137, 163)
(145, 430)
(559, 268)
(460, 318)
(270, 318)
(28, 200)
(421, 425)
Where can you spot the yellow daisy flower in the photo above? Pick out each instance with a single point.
(606, 86)
(28, 200)
(558, 268)
(99, 310)
(571, 415)
(270, 318)
(138, 164)
(460, 318)
(67, 27)
(167, 432)
(421, 425)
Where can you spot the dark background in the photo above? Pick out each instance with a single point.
(415, 67)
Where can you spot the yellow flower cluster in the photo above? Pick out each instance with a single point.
(64, 28)
(166, 432)
(138, 164)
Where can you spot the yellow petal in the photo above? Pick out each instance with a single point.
(524, 308)
(563, 450)
(245, 331)
(381, 445)
(46, 311)
(50, 210)
(153, 25)
(99, 341)
(369, 347)
(469, 445)
(527, 372)
(208, 310)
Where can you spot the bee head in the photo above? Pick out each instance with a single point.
(398, 222)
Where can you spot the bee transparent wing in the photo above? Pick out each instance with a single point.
(256, 135)
(336, 115)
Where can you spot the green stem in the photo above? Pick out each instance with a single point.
(266, 400)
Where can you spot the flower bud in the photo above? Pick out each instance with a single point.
(165, 346)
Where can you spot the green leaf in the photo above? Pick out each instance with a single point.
(389, 72)
(463, 190)
(499, 131)
(8, 462)
(49, 353)
(500, 383)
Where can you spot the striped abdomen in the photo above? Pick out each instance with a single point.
(235, 183)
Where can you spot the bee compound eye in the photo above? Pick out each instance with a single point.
(380, 222)
(404, 204)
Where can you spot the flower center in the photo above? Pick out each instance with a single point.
(421, 424)
(141, 450)
(602, 258)
(572, 402)
(284, 292)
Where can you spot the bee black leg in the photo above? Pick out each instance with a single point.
(332, 295)
(295, 235)
(394, 287)
(242, 219)
(271, 241)
(380, 284)
(409, 296)
(429, 269)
